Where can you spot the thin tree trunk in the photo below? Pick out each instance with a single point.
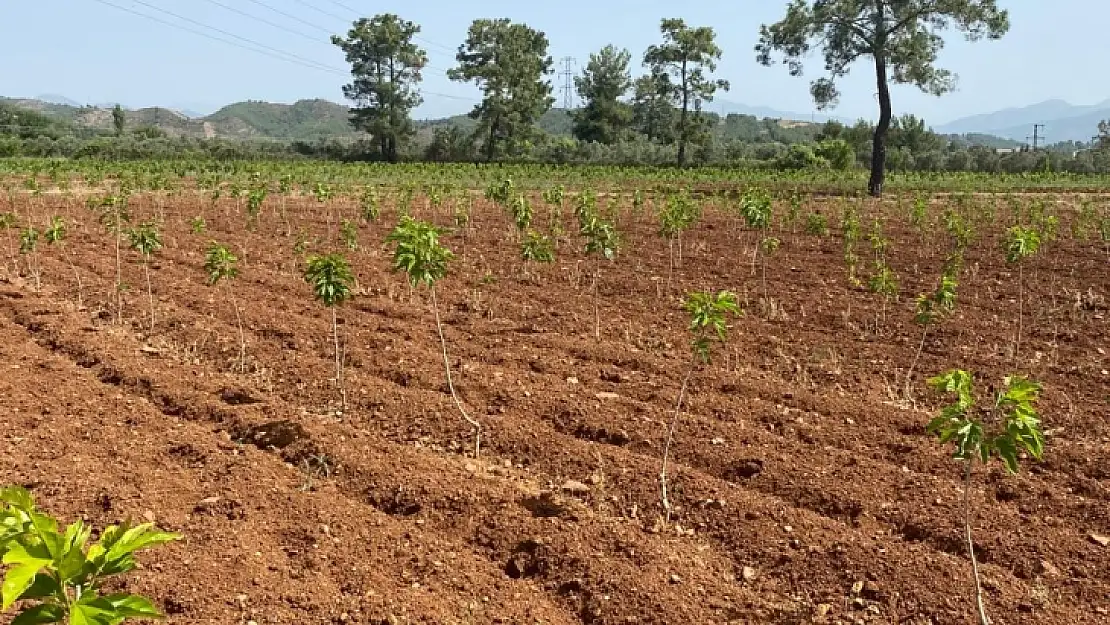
(670, 439)
(597, 312)
(242, 340)
(119, 272)
(338, 360)
(451, 384)
(76, 274)
(149, 291)
(983, 618)
(1021, 307)
(913, 365)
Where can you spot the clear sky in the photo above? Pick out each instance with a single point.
(91, 52)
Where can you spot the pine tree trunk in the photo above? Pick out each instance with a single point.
(878, 146)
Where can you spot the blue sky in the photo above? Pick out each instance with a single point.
(94, 53)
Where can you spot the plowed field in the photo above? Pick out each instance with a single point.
(806, 488)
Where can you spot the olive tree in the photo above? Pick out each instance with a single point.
(902, 37)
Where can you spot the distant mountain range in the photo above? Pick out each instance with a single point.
(311, 120)
(1062, 121)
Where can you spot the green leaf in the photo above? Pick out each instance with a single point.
(127, 605)
(19, 577)
(1007, 450)
(136, 538)
(42, 613)
(17, 497)
(44, 586)
(95, 612)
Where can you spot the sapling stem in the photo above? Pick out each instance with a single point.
(149, 291)
(338, 360)
(450, 382)
(242, 340)
(983, 618)
(670, 438)
(916, 356)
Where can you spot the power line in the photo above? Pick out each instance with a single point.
(350, 9)
(234, 36)
(252, 45)
(310, 24)
(264, 21)
(292, 17)
(258, 48)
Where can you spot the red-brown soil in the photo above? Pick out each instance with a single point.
(805, 489)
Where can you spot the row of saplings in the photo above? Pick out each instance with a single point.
(54, 575)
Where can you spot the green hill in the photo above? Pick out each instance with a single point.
(305, 120)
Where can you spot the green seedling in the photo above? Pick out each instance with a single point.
(222, 266)
(255, 198)
(677, 215)
(57, 577)
(114, 216)
(931, 309)
(55, 235)
(370, 205)
(1010, 426)
(756, 207)
(348, 232)
(197, 225)
(537, 248)
(817, 225)
(601, 243)
(29, 246)
(708, 324)
(500, 193)
(1020, 243)
(146, 240)
(521, 209)
(331, 279)
(8, 222)
(418, 254)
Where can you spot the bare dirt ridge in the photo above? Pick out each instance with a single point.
(804, 491)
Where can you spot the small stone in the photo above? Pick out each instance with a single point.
(1047, 568)
(717, 441)
(857, 588)
(572, 380)
(850, 421)
(675, 579)
(508, 464)
(823, 609)
(606, 395)
(149, 516)
(749, 573)
(858, 603)
(575, 487)
(1099, 539)
(208, 501)
(470, 467)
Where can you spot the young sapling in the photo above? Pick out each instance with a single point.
(146, 240)
(708, 323)
(55, 234)
(418, 253)
(331, 279)
(1020, 243)
(223, 266)
(1008, 427)
(29, 246)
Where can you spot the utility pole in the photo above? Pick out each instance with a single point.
(567, 74)
(1037, 135)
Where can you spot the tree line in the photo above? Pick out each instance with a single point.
(511, 65)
